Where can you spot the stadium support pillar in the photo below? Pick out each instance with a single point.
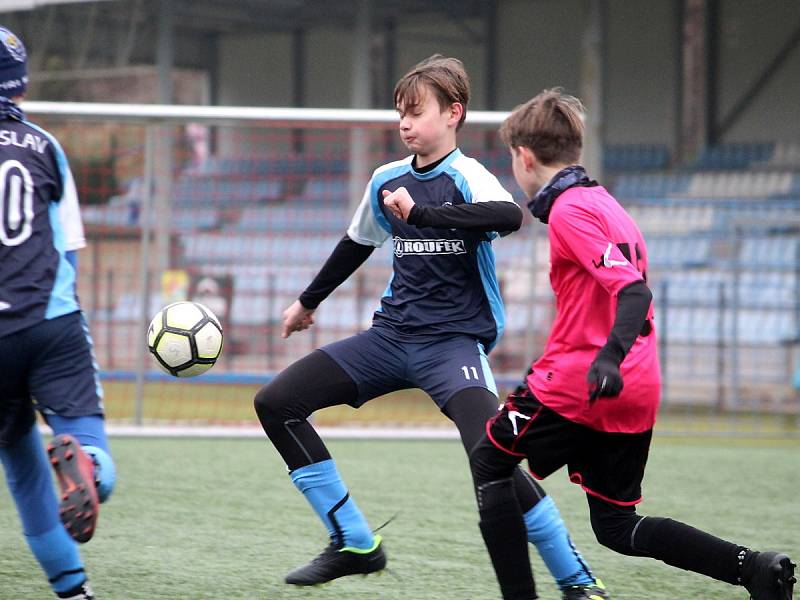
(165, 56)
(694, 79)
(592, 84)
(361, 87)
(491, 57)
(298, 83)
(143, 277)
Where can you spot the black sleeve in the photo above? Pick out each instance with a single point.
(346, 257)
(495, 215)
(633, 303)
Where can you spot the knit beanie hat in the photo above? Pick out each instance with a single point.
(13, 65)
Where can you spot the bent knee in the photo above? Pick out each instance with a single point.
(609, 539)
(616, 534)
(267, 404)
(487, 464)
(274, 405)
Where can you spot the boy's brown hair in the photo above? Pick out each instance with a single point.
(550, 124)
(445, 76)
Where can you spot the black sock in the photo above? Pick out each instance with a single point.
(746, 565)
(685, 547)
(503, 530)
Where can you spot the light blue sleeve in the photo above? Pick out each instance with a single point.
(72, 258)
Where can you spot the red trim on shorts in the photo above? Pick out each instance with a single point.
(539, 477)
(495, 442)
(577, 479)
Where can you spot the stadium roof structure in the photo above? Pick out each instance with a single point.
(289, 15)
(65, 37)
(81, 40)
(15, 5)
(230, 16)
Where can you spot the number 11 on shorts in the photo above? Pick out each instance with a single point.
(470, 373)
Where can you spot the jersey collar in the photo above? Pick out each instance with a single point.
(439, 169)
(542, 202)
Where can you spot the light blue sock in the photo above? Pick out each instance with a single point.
(546, 531)
(105, 473)
(324, 489)
(58, 555)
(90, 432)
(30, 482)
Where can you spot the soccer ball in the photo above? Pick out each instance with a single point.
(185, 338)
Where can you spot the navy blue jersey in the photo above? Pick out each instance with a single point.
(444, 280)
(39, 223)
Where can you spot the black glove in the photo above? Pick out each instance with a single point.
(605, 380)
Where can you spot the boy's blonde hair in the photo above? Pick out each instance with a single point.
(550, 124)
(446, 77)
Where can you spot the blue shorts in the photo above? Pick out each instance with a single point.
(380, 362)
(52, 364)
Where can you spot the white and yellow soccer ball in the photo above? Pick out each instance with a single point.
(185, 338)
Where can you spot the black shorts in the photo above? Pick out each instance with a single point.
(16, 417)
(607, 465)
(49, 366)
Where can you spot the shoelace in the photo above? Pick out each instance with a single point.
(330, 550)
(392, 518)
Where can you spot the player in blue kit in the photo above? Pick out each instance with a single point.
(440, 315)
(47, 353)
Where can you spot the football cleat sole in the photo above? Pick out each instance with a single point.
(79, 505)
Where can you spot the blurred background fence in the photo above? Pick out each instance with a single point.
(239, 208)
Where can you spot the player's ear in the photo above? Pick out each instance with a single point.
(456, 111)
(529, 160)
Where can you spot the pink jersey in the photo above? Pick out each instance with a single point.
(596, 250)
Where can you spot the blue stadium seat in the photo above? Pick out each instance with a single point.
(763, 288)
(692, 287)
(769, 251)
(734, 156)
(326, 191)
(269, 251)
(193, 191)
(253, 167)
(650, 186)
(293, 217)
(740, 184)
(689, 324)
(679, 251)
(341, 311)
(635, 157)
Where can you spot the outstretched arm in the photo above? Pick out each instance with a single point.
(346, 257)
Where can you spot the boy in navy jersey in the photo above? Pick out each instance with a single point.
(44, 344)
(440, 315)
(573, 408)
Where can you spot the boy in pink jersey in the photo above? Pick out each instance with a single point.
(590, 401)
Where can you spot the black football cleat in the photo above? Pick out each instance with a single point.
(595, 591)
(336, 562)
(74, 469)
(772, 577)
(82, 592)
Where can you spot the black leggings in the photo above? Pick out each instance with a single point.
(623, 530)
(316, 381)
(617, 527)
